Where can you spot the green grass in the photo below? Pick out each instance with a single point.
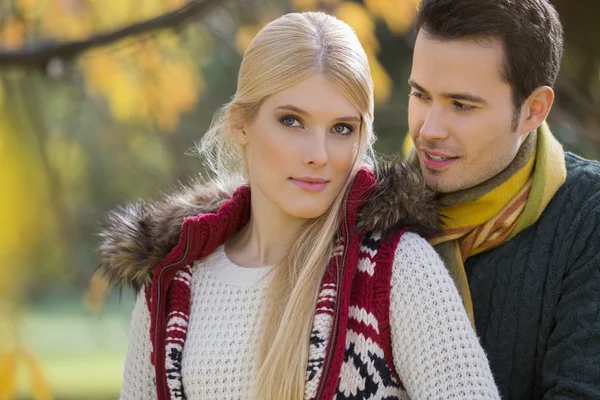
(82, 355)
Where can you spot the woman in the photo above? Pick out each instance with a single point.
(284, 290)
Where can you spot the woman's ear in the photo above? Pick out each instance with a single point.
(235, 116)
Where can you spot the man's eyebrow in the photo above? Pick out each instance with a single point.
(455, 96)
(415, 85)
(465, 96)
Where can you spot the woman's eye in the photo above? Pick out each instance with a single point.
(341, 129)
(290, 121)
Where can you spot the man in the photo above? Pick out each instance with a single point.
(522, 237)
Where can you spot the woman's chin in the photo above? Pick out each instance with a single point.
(307, 212)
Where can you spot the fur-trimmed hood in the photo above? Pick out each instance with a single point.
(138, 236)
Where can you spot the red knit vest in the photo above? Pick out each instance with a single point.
(350, 353)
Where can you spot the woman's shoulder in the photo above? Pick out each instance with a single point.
(137, 236)
(414, 254)
(401, 200)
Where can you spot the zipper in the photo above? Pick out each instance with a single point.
(340, 279)
(160, 274)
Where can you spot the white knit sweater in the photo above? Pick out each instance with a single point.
(435, 349)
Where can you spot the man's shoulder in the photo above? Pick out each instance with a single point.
(579, 167)
(583, 179)
(576, 205)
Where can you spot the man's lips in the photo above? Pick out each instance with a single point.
(436, 160)
(310, 184)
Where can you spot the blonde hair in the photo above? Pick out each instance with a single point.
(288, 50)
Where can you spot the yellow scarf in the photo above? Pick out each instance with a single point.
(487, 215)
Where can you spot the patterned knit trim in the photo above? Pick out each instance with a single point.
(322, 325)
(368, 371)
(364, 373)
(177, 326)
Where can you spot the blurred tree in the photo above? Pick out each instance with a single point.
(577, 108)
(144, 81)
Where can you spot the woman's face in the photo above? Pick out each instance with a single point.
(300, 148)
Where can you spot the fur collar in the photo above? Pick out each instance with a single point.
(136, 237)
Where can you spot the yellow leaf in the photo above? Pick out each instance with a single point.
(93, 299)
(244, 36)
(30, 8)
(149, 8)
(362, 21)
(118, 14)
(179, 86)
(13, 33)
(381, 80)
(68, 20)
(305, 5)
(123, 96)
(407, 144)
(376, 7)
(40, 389)
(1, 93)
(8, 369)
(397, 14)
(154, 80)
(175, 4)
(24, 191)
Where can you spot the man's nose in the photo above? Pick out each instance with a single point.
(434, 126)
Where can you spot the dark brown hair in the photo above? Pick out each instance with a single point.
(530, 31)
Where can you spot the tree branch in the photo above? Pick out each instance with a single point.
(39, 55)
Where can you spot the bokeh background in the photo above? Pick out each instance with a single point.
(100, 104)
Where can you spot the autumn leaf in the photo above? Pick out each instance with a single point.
(12, 33)
(381, 80)
(244, 36)
(397, 14)
(407, 144)
(40, 389)
(93, 299)
(67, 20)
(305, 5)
(363, 23)
(8, 374)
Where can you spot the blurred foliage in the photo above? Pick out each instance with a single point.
(79, 137)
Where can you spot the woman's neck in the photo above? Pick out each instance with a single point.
(266, 237)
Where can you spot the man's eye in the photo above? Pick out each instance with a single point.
(416, 94)
(341, 129)
(290, 121)
(462, 107)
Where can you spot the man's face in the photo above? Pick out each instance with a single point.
(460, 112)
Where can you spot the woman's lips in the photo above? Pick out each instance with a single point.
(310, 184)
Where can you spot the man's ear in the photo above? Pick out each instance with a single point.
(536, 108)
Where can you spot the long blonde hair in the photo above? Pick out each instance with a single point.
(288, 50)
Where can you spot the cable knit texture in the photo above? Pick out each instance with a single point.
(436, 351)
(537, 298)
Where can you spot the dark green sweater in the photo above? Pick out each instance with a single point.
(537, 298)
